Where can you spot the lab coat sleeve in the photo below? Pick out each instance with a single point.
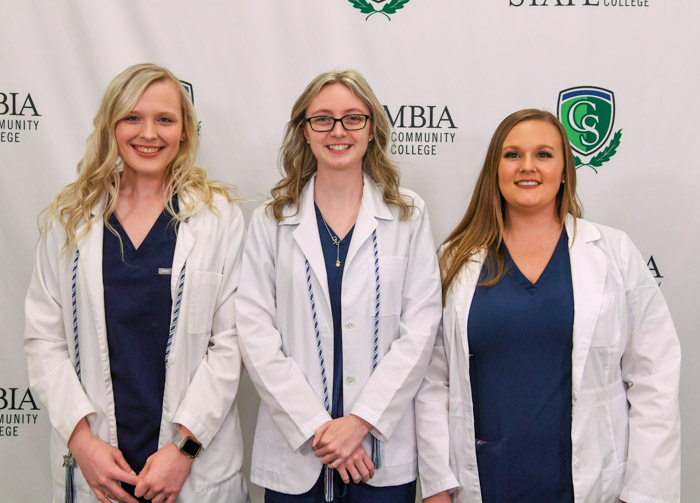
(651, 369)
(282, 386)
(395, 381)
(51, 368)
(213, 388)
(432, 424)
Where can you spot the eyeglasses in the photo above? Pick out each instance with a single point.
(351, 122)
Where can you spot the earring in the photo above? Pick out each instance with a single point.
(372, 138)
(307, 142)
(563, 181)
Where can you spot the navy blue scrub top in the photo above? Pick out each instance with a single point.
(335, 288)
(137, 311)
(520, 342)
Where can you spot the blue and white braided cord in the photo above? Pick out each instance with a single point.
(74, 307)
(376, 451)
(68, 459)
(327, 472)
(175, 315)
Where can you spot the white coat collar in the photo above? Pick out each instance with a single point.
(307, 236)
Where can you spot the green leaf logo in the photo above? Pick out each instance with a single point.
(390, 7)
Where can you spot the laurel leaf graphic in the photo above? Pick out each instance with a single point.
(606, 154)
(578, 162)
(394, 5)
(363, 5)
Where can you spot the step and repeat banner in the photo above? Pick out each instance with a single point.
(447, 71)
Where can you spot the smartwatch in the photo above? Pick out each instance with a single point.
(189, 446)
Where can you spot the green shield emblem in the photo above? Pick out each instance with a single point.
(588, 114)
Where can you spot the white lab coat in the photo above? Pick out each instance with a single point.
(625, 429)
(204, 364)
(278, 340)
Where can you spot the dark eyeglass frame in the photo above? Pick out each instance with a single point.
(309, 119)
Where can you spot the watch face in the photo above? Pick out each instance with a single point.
(190, 447)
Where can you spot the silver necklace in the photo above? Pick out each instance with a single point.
(336, 242)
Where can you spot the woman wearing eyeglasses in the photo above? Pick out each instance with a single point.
(338, 307)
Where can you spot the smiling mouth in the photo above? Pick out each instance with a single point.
(338, 147)
(527, 183)
(147, 150)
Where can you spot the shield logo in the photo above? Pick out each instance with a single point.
(588, 114)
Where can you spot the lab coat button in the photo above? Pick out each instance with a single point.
(349, 325)
(350, 380)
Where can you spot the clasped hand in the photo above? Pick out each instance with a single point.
(337, 443)
(104, 466)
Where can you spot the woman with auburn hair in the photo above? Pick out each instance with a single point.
(338, 307)
(555, 375)
(130, 330)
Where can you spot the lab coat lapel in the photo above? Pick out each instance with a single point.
(308, 239)
(588, 270)
(186, 237)
(464, 293)
(372, 207)
(90, 275)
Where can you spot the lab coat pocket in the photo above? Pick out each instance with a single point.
(203, 291)
(392, 272)
(492, 458)
(612, 479)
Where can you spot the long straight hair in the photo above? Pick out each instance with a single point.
(482, 227)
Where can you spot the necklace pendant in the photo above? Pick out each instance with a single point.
(337, 263)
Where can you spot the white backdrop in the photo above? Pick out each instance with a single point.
(472, 62)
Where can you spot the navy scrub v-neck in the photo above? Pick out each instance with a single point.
(520, 342)
(137, 299)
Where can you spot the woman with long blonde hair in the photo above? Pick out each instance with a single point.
(338, 306)
(555, 375)
(130, 332)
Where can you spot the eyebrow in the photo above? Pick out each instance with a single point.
(327, 112)
(544, 145)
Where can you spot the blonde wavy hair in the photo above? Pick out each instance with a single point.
(99, 170)
(298, 163)
(482, 227)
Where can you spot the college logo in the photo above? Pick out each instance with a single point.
(17, 408)
(18, 113)
(419, 129)
(389, 7)
(588, 115)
